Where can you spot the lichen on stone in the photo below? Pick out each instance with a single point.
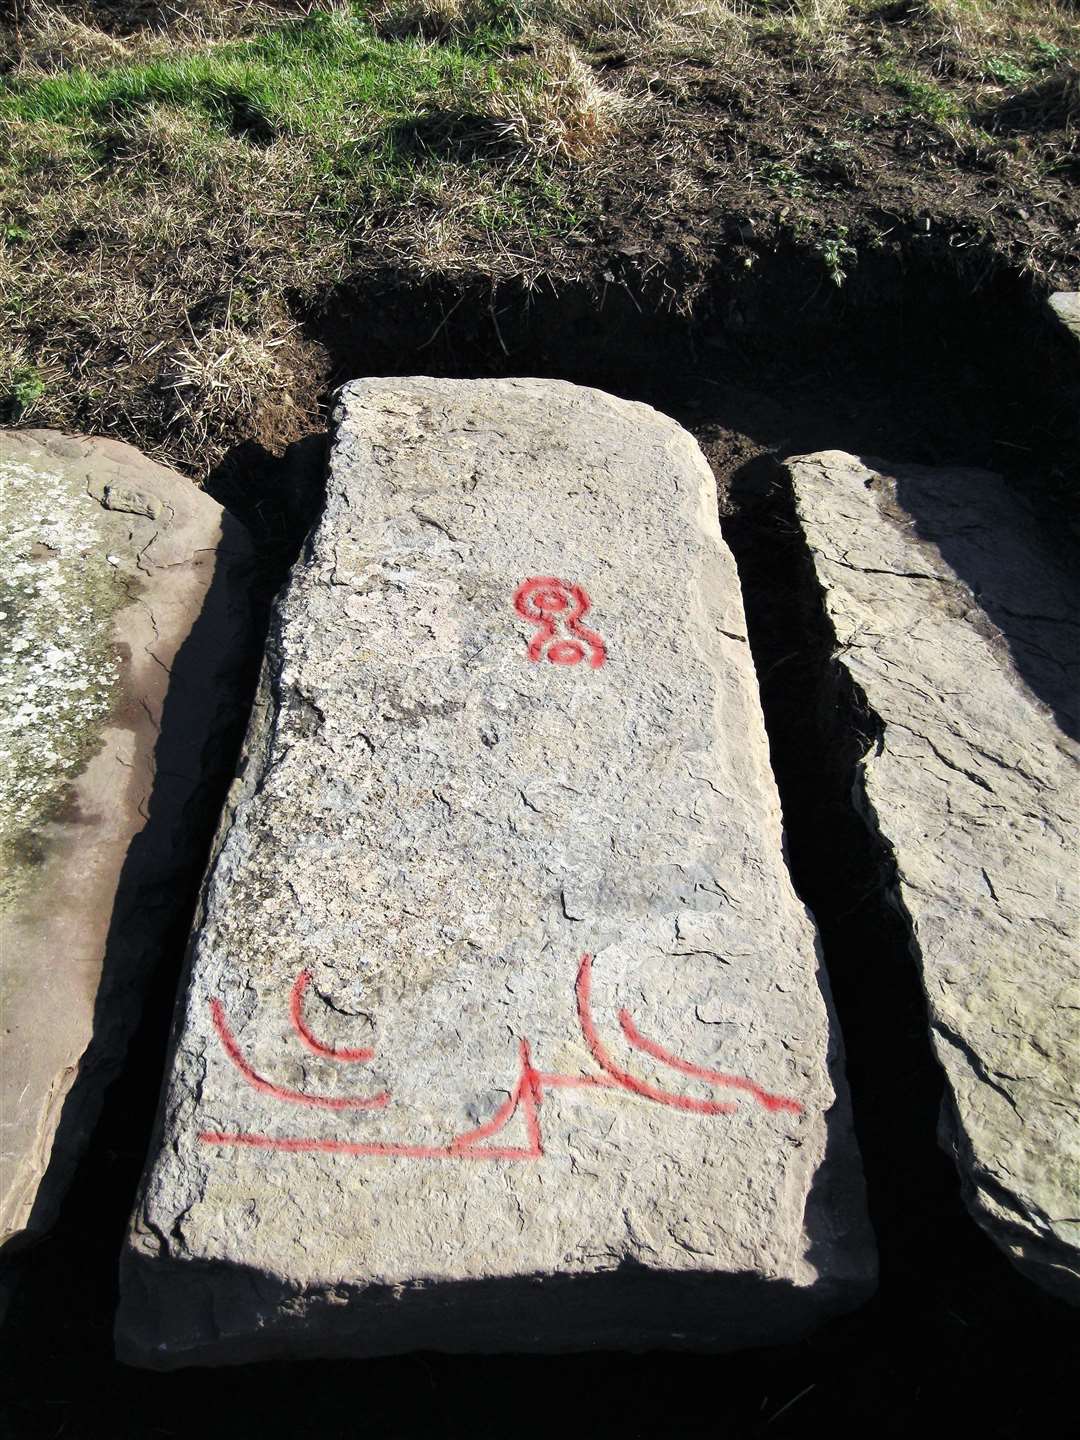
(58, 668)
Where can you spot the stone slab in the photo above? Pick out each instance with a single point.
(959, 623)
(122, 624)
(1065, 305)
(504, 1028)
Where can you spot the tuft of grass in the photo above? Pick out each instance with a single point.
(924, 96)
(547, 104)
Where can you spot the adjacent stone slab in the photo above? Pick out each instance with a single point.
(962, 631)
(504, 1028)
(1066, 306)
(121, 631)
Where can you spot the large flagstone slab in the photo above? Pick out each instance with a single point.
(959, 623)
(504, 1028)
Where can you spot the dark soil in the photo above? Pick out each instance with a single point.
(801, 197)
(917, 360)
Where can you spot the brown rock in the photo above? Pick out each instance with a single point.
(124, 629)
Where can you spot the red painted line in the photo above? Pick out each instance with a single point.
(716, 1077)
(296, 1015)
(527, 1095)
(532, 1097)
(492, 1126)
(293, 1097)
(631, 1082)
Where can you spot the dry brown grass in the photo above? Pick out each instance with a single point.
(47, 36)
(153, 249)
(427, 19)
(153, 308)
(548, 105)
(48, 39)
(220, 377)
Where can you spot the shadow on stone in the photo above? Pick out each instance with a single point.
(210, 1322)
(1023, 580)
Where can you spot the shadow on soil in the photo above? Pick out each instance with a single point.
(940, 368)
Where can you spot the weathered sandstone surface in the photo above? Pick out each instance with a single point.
(503, 1028)
(122, 628)
(1066, 306)
(962, 631)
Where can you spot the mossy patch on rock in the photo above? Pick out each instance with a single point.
(123, 623)
(59, 670)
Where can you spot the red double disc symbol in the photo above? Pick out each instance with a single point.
(547, 603)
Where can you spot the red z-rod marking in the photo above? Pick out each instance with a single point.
(293, 1097)
(543, 600)
(296, 1015)
(526, 1096)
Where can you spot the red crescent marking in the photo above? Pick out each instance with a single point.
(492, 1126)
(527, 1094)
(604, 1060)
(294, 1097)
(717, 1077)
(296, 1014)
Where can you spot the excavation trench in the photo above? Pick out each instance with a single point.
(915, 362)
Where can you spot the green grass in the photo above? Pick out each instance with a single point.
(322, 79)
(923, 95)
(301, 79)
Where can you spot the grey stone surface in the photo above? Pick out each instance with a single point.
(960, 625)
(442, 810)
(1066, 306)
(121, 630)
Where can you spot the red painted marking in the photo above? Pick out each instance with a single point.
(532, 1097)
(502, 1115)
(526, 1096)
(294, 1097)
(716, 1077)
(526, 1093)
(296, 1014)
(631, 1082)
(542, 600)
